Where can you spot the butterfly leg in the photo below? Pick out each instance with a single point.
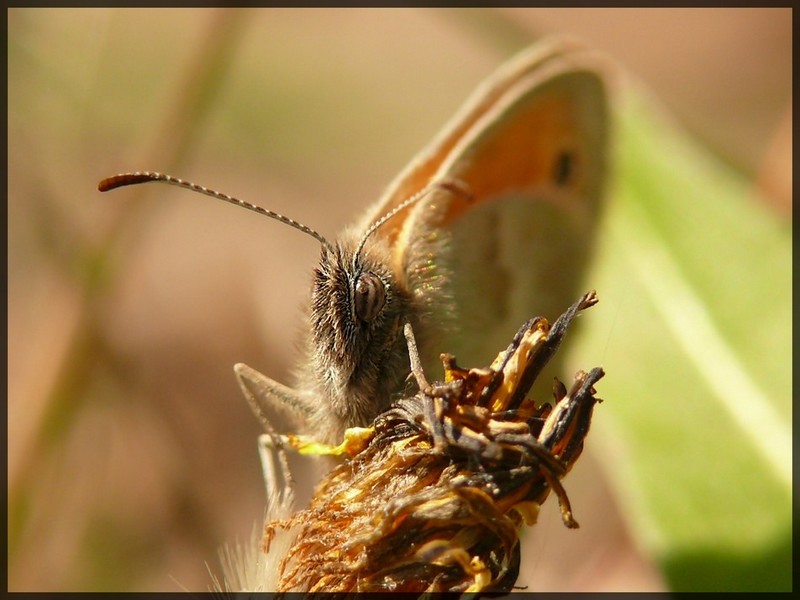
(259, 391)
(265, 395)
(278, 480)
(413, 355)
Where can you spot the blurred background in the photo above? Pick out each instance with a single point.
(132, 455)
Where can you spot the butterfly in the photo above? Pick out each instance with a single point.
(490, 224)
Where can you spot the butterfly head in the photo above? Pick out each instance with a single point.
(358, 307)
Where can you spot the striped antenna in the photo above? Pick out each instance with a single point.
(117, 181)
(451, 185)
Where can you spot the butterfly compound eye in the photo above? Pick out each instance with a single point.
(369, 297)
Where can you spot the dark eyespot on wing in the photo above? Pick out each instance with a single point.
(564, 168)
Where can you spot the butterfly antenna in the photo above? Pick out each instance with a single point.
(117, 181)
(451, 185)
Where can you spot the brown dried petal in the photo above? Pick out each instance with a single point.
(436, 491)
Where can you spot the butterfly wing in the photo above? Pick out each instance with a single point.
(484, 99)
(529, 147)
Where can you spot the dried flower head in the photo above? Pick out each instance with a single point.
(434, 494)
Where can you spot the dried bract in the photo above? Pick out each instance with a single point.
(436, 491)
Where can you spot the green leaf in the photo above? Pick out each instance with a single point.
(694, 330)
